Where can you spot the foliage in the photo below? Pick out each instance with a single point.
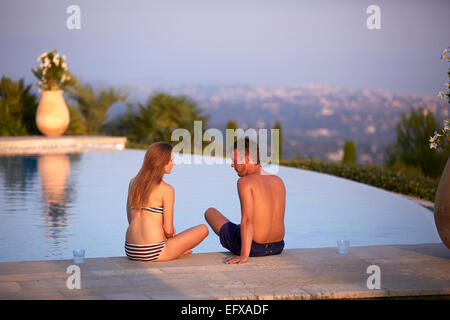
(162, 114)
(441, 137)
(411, 147)
(349, 152)
(278, 126)
(232, 125)
(17, 108)
(377, 176)
(438, 141)
(53, 73)
(446, 55)
(93, 105)
(77, 125)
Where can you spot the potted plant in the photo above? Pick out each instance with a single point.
(52, 116)
(442, 198)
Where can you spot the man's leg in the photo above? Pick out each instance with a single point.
(215, 219)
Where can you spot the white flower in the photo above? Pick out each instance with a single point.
(441, 94)
(41, 56)
(437, 134)
(446, 128)
(446, 122)
(433, 145)
(432, 139)
(63, 78)
(64, 65)
(56, 60)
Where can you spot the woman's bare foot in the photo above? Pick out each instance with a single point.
(186, 253)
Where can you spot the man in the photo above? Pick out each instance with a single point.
(262, 198)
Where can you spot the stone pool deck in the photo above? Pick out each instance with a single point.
(406, 270)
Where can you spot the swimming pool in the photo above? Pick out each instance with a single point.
(51, 204)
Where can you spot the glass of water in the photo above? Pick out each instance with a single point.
(78, 256)
(343, 246)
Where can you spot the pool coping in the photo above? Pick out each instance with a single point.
(62, 144)
(306, 273)
(424, 203)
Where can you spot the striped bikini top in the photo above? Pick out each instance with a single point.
(153, 209)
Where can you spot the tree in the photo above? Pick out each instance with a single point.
(411, 147)
(349, 152)
(17, 108)
(278, 127)
(232, 125)
(94, 105)
(77, 125)
(162, 114)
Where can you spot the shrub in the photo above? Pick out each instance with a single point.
(17, 108)
(377, 176)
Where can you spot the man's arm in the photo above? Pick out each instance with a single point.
(247, 212)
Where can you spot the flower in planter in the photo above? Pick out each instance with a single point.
(440, 138)
(53, 72)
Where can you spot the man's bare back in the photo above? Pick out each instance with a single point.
(268, 195)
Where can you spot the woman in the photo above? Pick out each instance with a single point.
(151, 234)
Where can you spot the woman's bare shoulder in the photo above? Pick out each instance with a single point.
(166, 187)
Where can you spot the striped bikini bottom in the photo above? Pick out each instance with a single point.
(144, 252)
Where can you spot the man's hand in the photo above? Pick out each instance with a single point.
(237, 260)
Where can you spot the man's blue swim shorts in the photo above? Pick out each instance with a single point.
(230, 238)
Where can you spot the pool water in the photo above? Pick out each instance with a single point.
(51, 204)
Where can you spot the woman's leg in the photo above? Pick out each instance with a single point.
(215, 219)
(182, 242)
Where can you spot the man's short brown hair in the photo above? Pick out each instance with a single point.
(250, 146)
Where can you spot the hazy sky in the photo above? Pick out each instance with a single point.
(228, 42)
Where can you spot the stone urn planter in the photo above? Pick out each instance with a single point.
(52, 116)
(442, 206)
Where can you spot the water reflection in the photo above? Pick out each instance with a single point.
(19, 171)
(54, 172)
(21, 176)
(58, 195)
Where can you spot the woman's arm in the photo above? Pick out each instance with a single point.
(168, 201)
(128, 203)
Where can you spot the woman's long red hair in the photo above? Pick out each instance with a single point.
(156, 158)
